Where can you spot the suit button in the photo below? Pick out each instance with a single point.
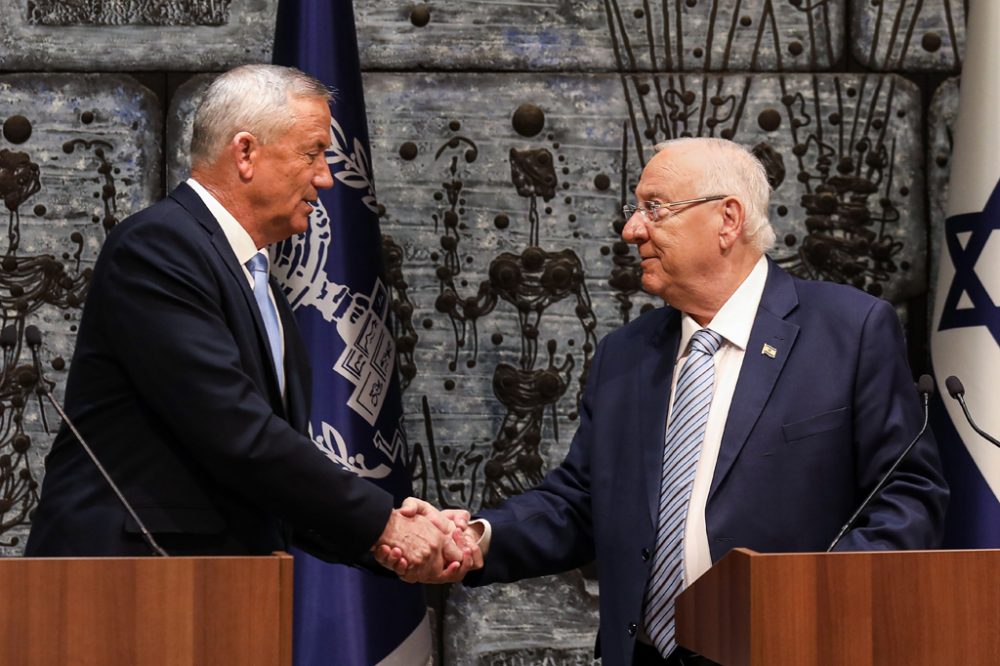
(631, 628)
(645, 554)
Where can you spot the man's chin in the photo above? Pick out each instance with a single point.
(300, 224)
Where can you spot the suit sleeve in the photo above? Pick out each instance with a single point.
(549, 528)
(165, 321)
(909, 512)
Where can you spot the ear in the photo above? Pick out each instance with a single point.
(245, 149)
(733, 218)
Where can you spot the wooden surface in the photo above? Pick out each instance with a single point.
(914, 608)
(147, 611)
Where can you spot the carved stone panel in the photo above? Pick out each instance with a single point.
(940, 122)
(205, 35)
(551, 621)
(501, 199)
(77, 155)
(179, 119)
(492, 185)
(896, 35)
(594, 35)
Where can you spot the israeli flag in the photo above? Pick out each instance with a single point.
(965, 338)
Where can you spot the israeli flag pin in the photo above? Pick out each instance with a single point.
(768, 350)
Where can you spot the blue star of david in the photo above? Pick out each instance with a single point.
(983, 311)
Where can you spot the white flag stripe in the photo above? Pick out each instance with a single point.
(971, 352)
(976, 170)
(415, 650)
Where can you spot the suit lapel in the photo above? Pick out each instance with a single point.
(298, 376)
(760, 370)
(190, 200)
(656, 371)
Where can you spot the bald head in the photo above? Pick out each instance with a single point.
(702, 223)
(717, 166)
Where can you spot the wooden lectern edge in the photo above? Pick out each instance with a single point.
(918, 607)
(71, 592)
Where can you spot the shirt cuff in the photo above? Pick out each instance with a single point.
(487, 534)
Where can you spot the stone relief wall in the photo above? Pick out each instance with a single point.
(505, 138)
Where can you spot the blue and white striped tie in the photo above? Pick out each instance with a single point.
(680, 459)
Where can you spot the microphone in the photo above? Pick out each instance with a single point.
(957, 391)
(8, 340)
(8, 336)
(925, 387)
(34, 339)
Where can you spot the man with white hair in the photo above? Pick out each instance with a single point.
(755, 410)
(189, 379)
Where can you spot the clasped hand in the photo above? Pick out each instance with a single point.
(423, 545)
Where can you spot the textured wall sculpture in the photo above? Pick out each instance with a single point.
(506, 137)
(200, 35)
(79, 153)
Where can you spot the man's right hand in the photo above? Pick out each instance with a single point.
(422, 544)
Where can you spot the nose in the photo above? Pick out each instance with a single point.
(323, 178)
(634, 230)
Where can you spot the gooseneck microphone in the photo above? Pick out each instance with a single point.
(957, 391)
(33, 337)
(925, 387)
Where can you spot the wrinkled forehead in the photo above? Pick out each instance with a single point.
(671, 174)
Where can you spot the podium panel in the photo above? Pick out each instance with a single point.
(150, 611)
(912, 608)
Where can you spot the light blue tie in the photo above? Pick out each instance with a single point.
(680, 460)
(258, 268)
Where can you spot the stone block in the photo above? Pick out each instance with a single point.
(941, 119)
(198, 35)
(78, 154)
(896, 35)
(602, 35)
(551, 621)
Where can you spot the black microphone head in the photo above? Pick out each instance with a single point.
(954, 386)
(925, 385)
(32, 336)
(8, 336)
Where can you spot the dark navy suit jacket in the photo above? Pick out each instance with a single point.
(808, 435)
(173, 386)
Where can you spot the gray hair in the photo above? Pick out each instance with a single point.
(731, 169)
(251, 98)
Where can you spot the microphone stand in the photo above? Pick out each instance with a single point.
(926, 387)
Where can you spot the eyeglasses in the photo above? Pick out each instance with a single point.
(651, 209)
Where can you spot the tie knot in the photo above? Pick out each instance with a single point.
(258, 263)
(706, 341)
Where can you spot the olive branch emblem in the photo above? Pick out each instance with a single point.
(355, 171)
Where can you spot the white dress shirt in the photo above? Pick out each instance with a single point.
(733, 322)
(239, 240)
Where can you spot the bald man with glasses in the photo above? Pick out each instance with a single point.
(754, 410)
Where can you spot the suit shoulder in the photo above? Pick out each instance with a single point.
(844, 303)
(166, 221)
(651, 324)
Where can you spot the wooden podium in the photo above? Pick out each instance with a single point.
(177, 611)
(906, 608)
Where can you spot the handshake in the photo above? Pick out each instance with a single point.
(423, 545)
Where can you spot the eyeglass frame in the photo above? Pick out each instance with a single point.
(651, 215)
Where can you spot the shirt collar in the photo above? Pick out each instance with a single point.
(241, 242)
(735, 318)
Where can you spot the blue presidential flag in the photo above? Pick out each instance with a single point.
(965, 338)
(334, 281)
